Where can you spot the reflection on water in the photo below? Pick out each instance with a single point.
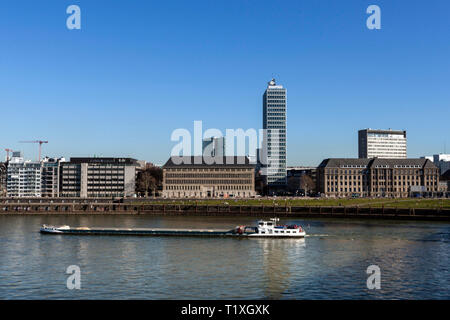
(278, 257)
(330, 263)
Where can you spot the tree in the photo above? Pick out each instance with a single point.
(148, 180)
(307, 183)
(293, 183)
(3, 171)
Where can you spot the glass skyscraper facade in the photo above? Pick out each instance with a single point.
(274, 123)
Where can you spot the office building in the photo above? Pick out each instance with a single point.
(386, 144)
(98, 177)
(444, 181)
(51, 176)
(23, 177)
(213, 147)
(230, 177)
(274, 123)
(377, 177)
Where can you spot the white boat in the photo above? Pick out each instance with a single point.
(271, 229)
(52, 229)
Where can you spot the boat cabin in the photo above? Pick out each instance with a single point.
(271, 228)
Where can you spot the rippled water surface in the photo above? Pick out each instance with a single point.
(330, 263)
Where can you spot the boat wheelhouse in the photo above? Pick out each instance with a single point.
(271, 229)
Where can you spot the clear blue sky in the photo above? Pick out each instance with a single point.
(137, 70)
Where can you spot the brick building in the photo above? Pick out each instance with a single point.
(377, 177)
(193, 178)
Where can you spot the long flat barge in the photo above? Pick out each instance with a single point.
(136, 231)
(264, 229)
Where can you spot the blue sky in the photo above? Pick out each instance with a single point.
(137, 70)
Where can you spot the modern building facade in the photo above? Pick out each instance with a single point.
(23, 177)
(274, 125)
(231, 177)
(377, 177)
(386, 144)
(98, 177)
(50, 176)
(213, 147)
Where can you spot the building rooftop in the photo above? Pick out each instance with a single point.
(272, 85)
(374, 162)
(189, 161)
(104, 160)
(339, 162)
(384, 131)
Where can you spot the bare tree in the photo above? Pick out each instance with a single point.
(307, 183)
(293, 183)
(148, 180)
(3, 170)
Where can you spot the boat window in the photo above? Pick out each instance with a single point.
(269, 223)
(288, 232)
(282, 231)
(276, 231)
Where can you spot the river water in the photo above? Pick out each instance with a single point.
(330, 263)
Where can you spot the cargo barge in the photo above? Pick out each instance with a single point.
(264, 229)
(134, 231)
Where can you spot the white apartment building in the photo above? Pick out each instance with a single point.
(23, 177)
(385, 144)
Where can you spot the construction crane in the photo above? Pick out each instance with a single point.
(7, 154)
(40, 145)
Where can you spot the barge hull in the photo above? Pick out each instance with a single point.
(160, 232)
(143, 232)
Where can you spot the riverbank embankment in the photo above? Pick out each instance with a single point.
(367, 212)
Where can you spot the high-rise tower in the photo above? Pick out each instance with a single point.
(274, 123)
